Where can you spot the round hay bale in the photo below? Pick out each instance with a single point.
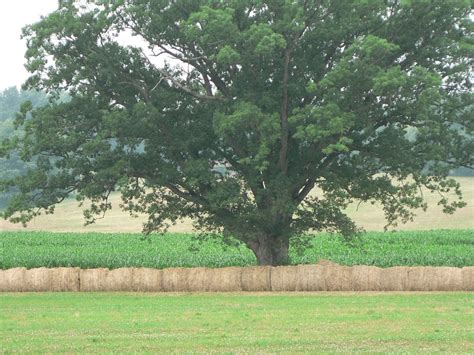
(213, 280)
(284, 278)
(337, 277)
(366, 278)
(394, 279)
(119, 280)
(38, 279)
(256, 278)
(419, 278)
(198, 279)
(444, 279)
(468, 278)
(175, 280)
(226, 279)
(93, 279)
(310, 278)
(64, 279)
(3, 281)
(12, 280)
(146, 280)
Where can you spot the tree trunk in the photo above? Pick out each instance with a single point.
(271, 250)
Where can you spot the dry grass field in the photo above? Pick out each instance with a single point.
(68, 217)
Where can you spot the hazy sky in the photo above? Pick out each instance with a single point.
(14, 15)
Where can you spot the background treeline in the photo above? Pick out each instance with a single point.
(10, 102)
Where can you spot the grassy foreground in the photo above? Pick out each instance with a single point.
(117, 322)
(46, 249)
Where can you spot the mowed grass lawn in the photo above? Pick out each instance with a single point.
(125, 322)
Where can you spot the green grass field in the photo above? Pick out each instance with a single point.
(37, 249)
(256, 323)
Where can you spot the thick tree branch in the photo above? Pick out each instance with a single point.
(283, 160)
(308, 186)
(187, 90)
(188, 196)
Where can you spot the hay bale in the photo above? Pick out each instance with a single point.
(93, 279)
(394, 279)
(337, 277)
(175, 280)
(430, 278)
(256, 278)
(118, 280)
(468, 278)
(284, 278)
(226, 279)
(146, 280)
(214, 279)
(12, 280)
(443, 279)
(198, 279)
(310, 278)
(64, 279)
(38, 279)
(122, 279)
(4, 284)
(419, 278)
(365, 278)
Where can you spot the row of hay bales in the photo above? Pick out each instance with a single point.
(320, 277)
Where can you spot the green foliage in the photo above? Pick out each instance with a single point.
(287, 95)
(12, 166)
(91, 250)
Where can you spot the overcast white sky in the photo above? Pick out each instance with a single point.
(14, 15)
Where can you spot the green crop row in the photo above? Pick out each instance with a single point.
(91, 250)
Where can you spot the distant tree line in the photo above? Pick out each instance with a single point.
(10, 102)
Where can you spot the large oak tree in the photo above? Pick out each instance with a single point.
(232, 111)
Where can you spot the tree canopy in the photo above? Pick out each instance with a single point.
(232, 111)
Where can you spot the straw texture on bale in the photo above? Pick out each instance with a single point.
(41, 279)
(468, 278)
(417, 278)
(284, 278)
(146, 280)
(175, 280)
(37, 279)
(13, 280)
(366, 278)
(443, 279)
(256, 278)
(310, 278)
(324, 276)
(119, 280)
(65, 279)
(93, 279)
(394, 279)
(202, 279)
(213, 280)
(228, 279)
(337, 277)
